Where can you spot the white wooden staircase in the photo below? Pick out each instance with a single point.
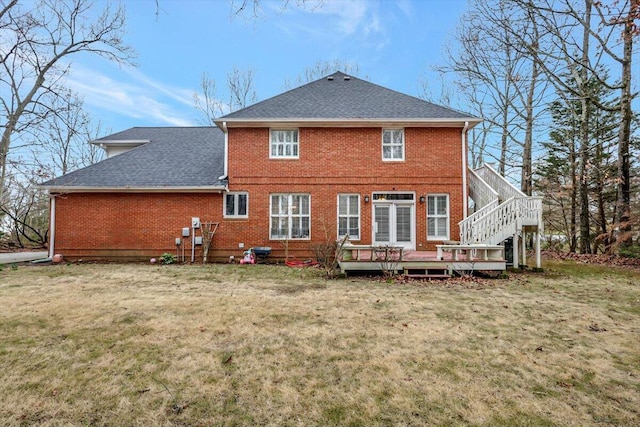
(501, 212)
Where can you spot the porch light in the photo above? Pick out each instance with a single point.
(422, 199)
(366, 199)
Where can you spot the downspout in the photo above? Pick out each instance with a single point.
(52, 224)
(226, 151)
(465, 197)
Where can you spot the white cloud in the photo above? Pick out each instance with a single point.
(139, 97)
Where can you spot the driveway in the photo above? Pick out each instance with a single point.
(8, 258)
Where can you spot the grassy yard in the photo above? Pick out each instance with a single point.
(120, 345)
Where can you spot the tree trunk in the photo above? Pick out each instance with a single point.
(624, 235)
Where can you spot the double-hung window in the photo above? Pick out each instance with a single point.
(438, 217)
(290, 216)
(284, 144)
(349, 216)
(393, 144)
(236, 205)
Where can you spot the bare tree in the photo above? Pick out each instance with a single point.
(499, 81)
(321, 69)
(252, 8)
(37, 44)
(240, 91)
(241, 88)
(207, 101)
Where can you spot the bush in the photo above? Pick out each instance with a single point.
(630, 252)
(167, 258)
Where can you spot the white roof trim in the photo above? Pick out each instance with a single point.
(294, 121)
(90, 189)
(123, 142)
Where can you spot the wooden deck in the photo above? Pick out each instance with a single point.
(415, 263)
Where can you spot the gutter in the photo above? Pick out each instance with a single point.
(465, 196)
(224, 128)
(52, 225)
(94, 189)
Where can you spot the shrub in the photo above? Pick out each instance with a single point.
(167, 258)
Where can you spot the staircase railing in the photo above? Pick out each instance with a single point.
(505, 189)
(467, 232)
(494, 226)
(481, 192)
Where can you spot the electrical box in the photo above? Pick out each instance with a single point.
(185, 232)
(198, 240)
(241, 245)
(178, 241)
(195, 222)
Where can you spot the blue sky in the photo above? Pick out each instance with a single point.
(394, 43)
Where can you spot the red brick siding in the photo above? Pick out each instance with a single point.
(332, 161)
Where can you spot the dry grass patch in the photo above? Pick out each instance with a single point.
(263, 345)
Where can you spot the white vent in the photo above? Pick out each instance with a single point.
(330, 78)
(347, 78)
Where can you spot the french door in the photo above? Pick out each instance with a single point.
(393, 223)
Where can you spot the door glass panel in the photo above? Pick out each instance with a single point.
(382, 223)
(403, 223)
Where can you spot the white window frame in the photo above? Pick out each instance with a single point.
(294, 145)
(393, 145)
(289, 215)
(349, 215)
(445, 217)
(236, 195)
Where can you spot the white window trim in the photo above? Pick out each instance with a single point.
(289, 195)
(235, 194)
(297, 143)
(351, 238)
(448, 217)
(393, 145)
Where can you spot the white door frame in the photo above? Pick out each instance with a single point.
(392, 217)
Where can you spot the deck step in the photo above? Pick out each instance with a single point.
(428, 276)
(427, 273)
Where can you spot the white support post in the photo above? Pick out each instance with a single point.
(538, 258)
(516, 243)
(524, 248)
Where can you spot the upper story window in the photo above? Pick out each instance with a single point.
(236, 205)
(393, 144)
(284, 144)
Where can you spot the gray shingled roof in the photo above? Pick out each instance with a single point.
(174, 157)
(340, 96)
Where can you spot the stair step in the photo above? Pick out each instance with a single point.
(428, 276)
(427, 273)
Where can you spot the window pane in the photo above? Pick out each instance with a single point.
(442, 227)
(230, 198)
(342, 227)
(354, 206)
(432, 205)
(342, 205)
(397, 152)
(242, 204)
(386, 152)
(431, 226)
(442, 205)
(305, 205)
(295, 136)
(295, 150)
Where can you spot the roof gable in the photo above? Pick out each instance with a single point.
(343, 97)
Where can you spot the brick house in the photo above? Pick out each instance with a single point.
(337, 156)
